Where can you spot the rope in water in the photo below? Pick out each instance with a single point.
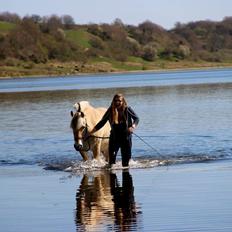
(99, 137)
(148, 144)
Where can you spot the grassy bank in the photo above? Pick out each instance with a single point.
(99, 66)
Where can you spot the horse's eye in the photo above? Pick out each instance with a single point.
(82, 115)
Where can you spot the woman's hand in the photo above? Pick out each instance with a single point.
(89, 133)
(131, 129)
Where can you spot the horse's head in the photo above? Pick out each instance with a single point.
(79, 127)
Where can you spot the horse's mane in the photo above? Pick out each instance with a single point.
(80, 107)
(92, 114)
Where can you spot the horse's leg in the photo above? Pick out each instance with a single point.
(97, 150)
(106, 154)
(84, 155)
(105, 149)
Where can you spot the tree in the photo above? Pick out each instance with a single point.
(118, 22)
(36, 18)
(51, 24)
(148, 31)
(9, 17)
(149, 53)
(67, 21)
(24, 42)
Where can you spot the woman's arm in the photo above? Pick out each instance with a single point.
(135, 118)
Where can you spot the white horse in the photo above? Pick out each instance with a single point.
(83, 121)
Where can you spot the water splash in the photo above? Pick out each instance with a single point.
(74, 165)
(94, 165)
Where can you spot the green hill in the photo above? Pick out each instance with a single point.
(80, 37)
(54, 46)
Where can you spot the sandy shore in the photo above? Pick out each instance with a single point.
(190, 197)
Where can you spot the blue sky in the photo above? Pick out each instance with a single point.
(162, 12)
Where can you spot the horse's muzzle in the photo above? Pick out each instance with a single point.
(78, 147)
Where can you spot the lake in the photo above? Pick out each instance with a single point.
(185, 119)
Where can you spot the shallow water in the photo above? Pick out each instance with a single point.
(185, 118)
(188, 197)
(183, 123)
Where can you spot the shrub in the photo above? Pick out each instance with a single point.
(149, 53)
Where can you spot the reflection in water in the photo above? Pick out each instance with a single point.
(124, 202)
(103, 204)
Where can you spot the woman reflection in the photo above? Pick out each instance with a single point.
(102, 204)
(124, 202)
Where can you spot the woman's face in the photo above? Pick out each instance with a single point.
(118, 102)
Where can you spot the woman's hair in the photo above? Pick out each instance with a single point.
(114, 112)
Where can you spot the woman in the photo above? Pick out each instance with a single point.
(123, 121)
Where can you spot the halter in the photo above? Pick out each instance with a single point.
(84, 132)
(85, 140)
(81, 135)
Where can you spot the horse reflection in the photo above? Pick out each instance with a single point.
(102, 204)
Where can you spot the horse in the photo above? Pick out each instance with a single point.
(83, 121)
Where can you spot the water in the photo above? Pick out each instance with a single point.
(185, 117)
(182, 122)
(116, 80)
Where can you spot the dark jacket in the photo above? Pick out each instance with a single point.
(130, 115)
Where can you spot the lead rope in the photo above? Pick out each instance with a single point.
(100, 137)
(165, 160)
(148, 145)
(103, 137)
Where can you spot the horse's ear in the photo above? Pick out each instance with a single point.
(71, 112)
(82, 115)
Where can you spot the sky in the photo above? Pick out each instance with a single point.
(165, 13)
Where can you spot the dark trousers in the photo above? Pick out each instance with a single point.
(119, 138)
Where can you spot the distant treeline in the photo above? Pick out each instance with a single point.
(41, 39)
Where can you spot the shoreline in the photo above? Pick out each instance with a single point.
(158, 70)
(156, 79)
